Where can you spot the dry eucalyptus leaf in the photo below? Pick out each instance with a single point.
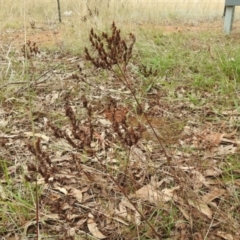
(201, 206)
(61, 190)
(214, 138)
(198, 179)
(3, 123)
(136, 154)
(185, 213)
(92, 227)
(124, 213)
(226, 236)
(212, 172)
(227, 149)
(71, 231)
(153, 195)
(76, 193)
(213, 194)
(65, 206)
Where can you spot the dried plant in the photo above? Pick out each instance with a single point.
(110, 50)
(30, 49)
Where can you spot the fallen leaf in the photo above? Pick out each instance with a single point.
(185, 213)
(65, 206)
(198, 179)
(71, 231)
(61, 189)
(214, 138)
(81, 222)
(76, 193)
(201, 206)
(213, 194)
(150, 193)
(122, 212)
(212, 172)
(136, 154)
(227, 149)
(3, 123)
(226, 236)
(104, 122)
(92, 227)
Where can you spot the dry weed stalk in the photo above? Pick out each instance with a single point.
(30, 49)
(110, 50)
(113, 50)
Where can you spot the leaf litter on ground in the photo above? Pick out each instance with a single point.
(80, 191)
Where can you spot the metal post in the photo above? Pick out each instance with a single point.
(228, 19)
(59, 11)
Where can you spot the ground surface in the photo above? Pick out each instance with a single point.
(152, 153)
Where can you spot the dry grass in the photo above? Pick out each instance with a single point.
(14, 13)
(42, 17)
